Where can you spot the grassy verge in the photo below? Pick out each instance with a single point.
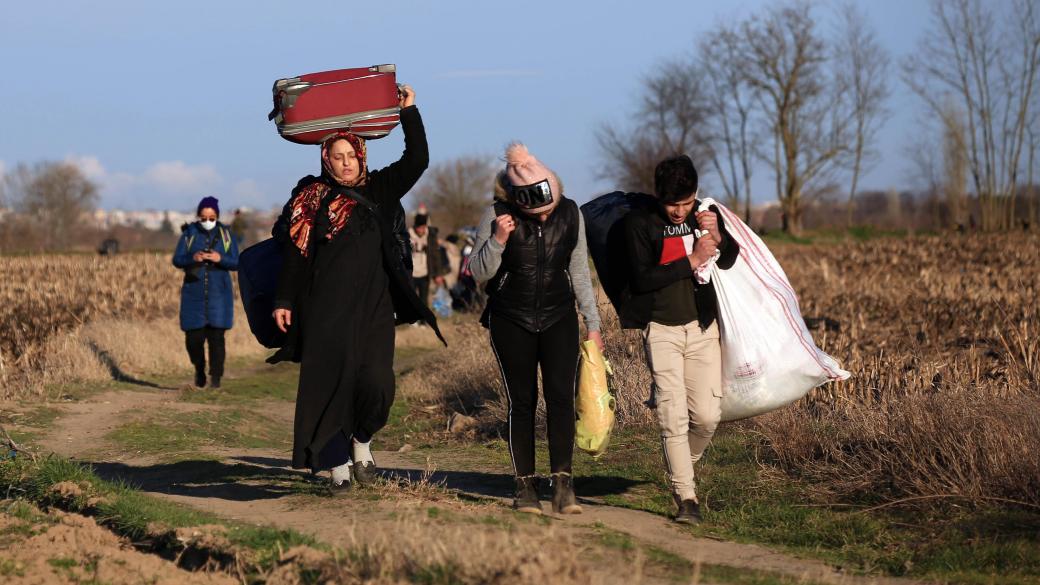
(747, 501)
(149, 522)
(655, 562)
(173, 435)
(265, 382)
(411, 549)
(27, 426)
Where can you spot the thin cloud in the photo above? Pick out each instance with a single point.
(90, 166)
(482, 73)
(162, 185)
(247, 193)
(179, 176)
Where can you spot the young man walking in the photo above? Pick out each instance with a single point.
(676, 310)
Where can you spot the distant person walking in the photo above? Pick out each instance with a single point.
(239, 227)
(453, 255)
(207, 252)
(531, 250)
(427, 265)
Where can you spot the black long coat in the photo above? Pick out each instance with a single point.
(346, 296)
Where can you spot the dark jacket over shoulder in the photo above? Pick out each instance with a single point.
(652, 269)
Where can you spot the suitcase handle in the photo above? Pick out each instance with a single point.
(287, 88)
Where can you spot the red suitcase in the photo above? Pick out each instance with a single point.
(309, 108)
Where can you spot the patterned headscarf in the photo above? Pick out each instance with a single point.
(308, 201)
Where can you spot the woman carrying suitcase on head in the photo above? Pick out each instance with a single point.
(531, 251)
(207, 252)
(342, 285)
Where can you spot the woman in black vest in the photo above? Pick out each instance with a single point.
(531, 251)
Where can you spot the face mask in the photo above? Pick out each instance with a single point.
(208, 225)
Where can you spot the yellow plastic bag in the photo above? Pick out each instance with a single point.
(595, 405)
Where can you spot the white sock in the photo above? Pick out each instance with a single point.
(362, 452)
(341, 473)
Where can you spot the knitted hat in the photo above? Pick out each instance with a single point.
(522, 168)
(420, 219)
(210, 202)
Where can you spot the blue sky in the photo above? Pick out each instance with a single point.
(163, 103)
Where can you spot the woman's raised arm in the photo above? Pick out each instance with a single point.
(395, 180)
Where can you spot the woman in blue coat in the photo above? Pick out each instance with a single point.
(207, 252)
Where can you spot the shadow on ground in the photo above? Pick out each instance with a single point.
(246, 478)
(116, 372)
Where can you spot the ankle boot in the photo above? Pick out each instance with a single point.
(564, 501)
(200, 379)
(526, 499)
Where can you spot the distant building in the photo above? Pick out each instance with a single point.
(150, 218)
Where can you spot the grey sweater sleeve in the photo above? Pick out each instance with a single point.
(487, 252)
(581, 279)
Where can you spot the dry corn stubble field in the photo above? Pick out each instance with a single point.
(70, 318)
(940, 334)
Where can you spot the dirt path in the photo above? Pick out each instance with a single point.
(257, 486)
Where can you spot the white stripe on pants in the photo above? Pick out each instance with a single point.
(686, 364)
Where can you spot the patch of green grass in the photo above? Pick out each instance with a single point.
(24, 521)
(133, 514)
(744, 505)
(62, 563)
(662, 563)
(409, 424)
(175, 435)
(11, 568)
(267, 382)
(737, 576)
(407, 357)
(27, 427)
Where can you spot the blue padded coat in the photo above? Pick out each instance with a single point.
(206, 294)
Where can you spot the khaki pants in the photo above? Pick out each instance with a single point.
(686, 364)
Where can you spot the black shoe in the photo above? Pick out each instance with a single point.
(563, 501)
(526, 499)
(365, 473)
(200, 380)
(214, 382)
(689, 513)
(342, 487)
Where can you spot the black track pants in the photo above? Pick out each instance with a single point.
(520, 353)
(195, 340)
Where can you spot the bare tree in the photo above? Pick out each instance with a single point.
(1033, 211)
(924, 170)
(672, 110)
(992, 73)
(862, 65)
(54, 196)
(955, 163)
(458, 191)
(731, 103)
(803, 103)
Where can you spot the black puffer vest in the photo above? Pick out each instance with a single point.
(532, 287)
